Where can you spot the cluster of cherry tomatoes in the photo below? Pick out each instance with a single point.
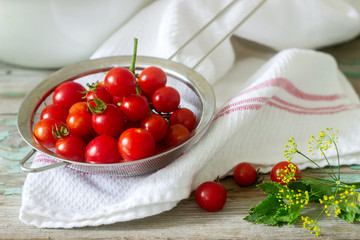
(212, 195)
(126, 117)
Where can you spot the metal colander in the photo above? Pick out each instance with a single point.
(196, 94)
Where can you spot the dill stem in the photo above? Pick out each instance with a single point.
(315, 164)
(329, 165)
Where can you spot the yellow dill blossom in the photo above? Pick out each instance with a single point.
(287, 174)
(325, 141)
(289, 198)
(311, 224)
(290, 149)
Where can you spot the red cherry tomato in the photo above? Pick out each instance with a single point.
(120, 82)
(78, 106)
(211, 196)
(185, 117)
(43, 132)
(110, 122)
(152, 78)
(99, 92)
(166, 99)
(68, 93)
(244, 174)
(71, 147)
(55, 112)
(79, 122)
(135, 144)
(285, 168)
(102, 149)
(156, 125)
(135, 107)
(176, 134)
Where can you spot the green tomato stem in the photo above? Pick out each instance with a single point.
(133, 60)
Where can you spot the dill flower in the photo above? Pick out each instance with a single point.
(311, 224)
(290, 149)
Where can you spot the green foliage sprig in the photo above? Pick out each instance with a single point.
(286, 202)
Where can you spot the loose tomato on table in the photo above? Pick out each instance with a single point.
(135, 144)
(244, 174)
(211, 196)
(71, 147)
(285, 172)
(102, 149)
(68, 93)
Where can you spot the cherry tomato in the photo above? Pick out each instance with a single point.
(55, 112)
(117, 100)
(43, 132)
(110, 122)
(211, 196)
(166, 99)
(176, 134)
(135, 107)
(156, 125)
(152, 78)
(71, 147)
(78, 106)
(99, 91)
(120, 82)
(185, 117)
(285, 168)
(135, 144)
(102, 149)
(79, 122)
(244, 174)
(68, 93)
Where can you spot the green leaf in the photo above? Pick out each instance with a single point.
(270, 188)
(299, 185)
(348, 216)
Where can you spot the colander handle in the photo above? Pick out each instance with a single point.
(28, 169)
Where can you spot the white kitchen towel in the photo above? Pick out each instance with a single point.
(261, 103)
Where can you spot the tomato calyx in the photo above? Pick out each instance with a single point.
(61, 132)
(100, 106)
(92, 88)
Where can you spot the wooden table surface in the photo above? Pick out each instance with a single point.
(186, 220)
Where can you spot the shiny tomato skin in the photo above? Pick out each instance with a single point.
(68, 93)
(176, 134)
(211, 196)
(135, 107)
(166, 99)
(43, 132)
(78, 106)
(110, 122)
(100, 93)
(55, 112)
(71, 147)
(156, 125)
(79, 122)
(185, 117)
(102, 149)
(275, 173)
(135, 144)
(244, 174)
(152, 78)
(120, 82)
